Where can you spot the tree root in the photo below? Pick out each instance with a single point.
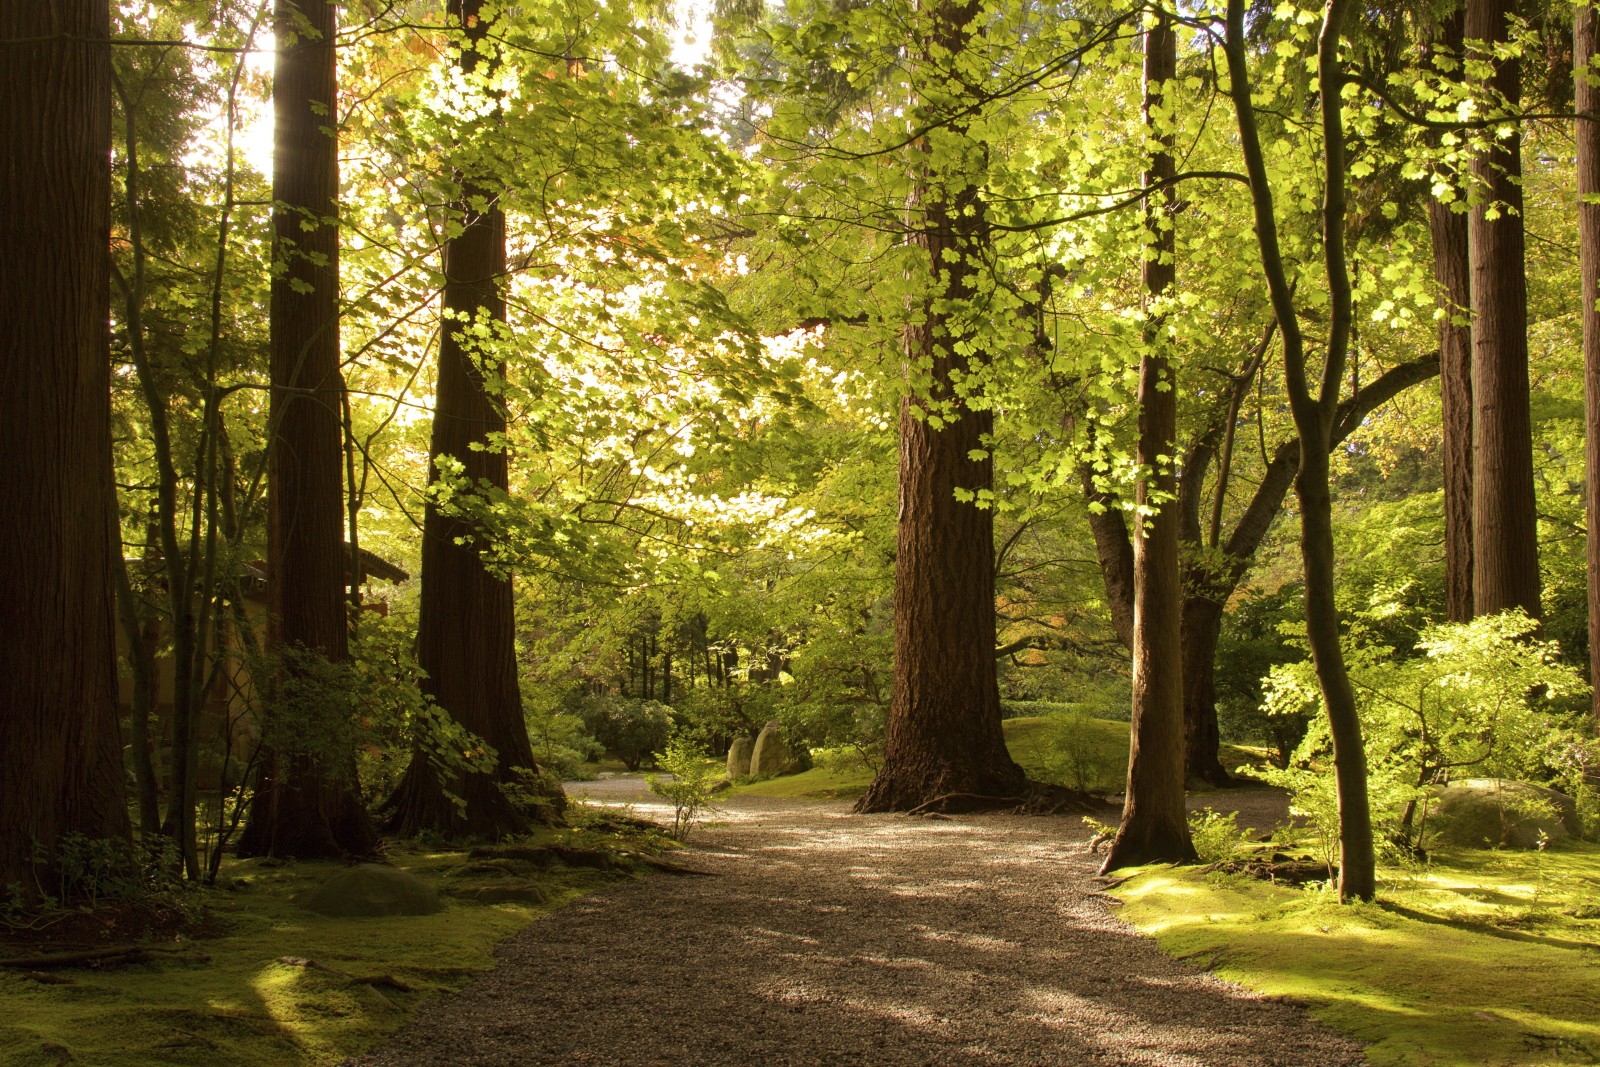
(372, 982)
(97, 957)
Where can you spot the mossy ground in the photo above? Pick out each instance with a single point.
(231, 1000)
(1481, 958)
(1073, 750)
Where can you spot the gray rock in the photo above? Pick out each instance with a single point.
(739, 757)
(1497, 812)
(369, 890)
(772, 754)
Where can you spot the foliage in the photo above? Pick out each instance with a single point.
(1217, 836)
(1481, 699)
(629, 729)
(689, 783)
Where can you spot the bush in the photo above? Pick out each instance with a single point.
(1217, 837)
(629, 729)
(693, 781)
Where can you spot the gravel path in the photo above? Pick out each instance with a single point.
(830, 938)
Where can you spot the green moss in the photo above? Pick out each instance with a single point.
(1479, 958)
(232, 1000)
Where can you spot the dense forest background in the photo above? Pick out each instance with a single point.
(476, 390)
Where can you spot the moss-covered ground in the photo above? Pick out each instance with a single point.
(1069, 749)
(233, 999)
(1481, 958)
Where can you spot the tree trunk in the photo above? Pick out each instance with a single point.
(466, 633)
(1505, 548)
(1202, 627)
(1585, 39)
(305, 803)
(59, 740)
(1317, 418)
(1452, 273)
(1155, 826)
(943, 733)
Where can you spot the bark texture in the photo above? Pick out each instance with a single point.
(944, 732)
(59, 740)
(306, 804)
(1154, 827)
(1505, 549)
(1585, 39)
(466, 633)
(1452, 274)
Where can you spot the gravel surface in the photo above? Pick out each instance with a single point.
(830, 938)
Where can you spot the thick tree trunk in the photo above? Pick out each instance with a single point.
(1505, 548)
(1452, 273)
(1155, 826)
(1585, 40)
(944, 733)
(305, 804)
(60, 746)
(466, 633)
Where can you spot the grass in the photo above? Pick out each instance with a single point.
(1070, 749)
(233, 1000)
(1482, 958)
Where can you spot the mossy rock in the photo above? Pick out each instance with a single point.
(370, 890)
(1500, 813)
(739, 754)
(772, 754)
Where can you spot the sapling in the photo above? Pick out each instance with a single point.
(689, 783)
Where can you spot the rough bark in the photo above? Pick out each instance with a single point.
(1585, 38)
(305, 803)
(1505, 548)
(59, 741)
(466, 632)
(944, 733)
(1154, 827)
(1452, 274)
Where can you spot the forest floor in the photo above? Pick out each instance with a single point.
(821, 937)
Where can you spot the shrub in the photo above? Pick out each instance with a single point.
(693, 779)
(629, 729)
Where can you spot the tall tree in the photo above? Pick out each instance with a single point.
(1154, 825)
(1452, 273)
(1505, 548)
(1585, 41)
(466, 634)
(944, 732)
(305, 803)
(59, 741)
(1315, 414)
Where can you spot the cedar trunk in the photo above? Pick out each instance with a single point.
(944, 733)
(1154, 826)
(466, 632)
(1505, 550)
(1585, 37)
(1452, 274)
(305, 804)
(59, 740)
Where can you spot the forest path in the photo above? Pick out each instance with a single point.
(830, 938)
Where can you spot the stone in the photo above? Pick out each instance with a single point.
(371, 890)
(772, 754)
(1500, 813)
(739, 757)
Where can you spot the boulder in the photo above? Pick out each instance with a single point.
(772, 754)
(739, 757)
(368, 890)
(1497, 812)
